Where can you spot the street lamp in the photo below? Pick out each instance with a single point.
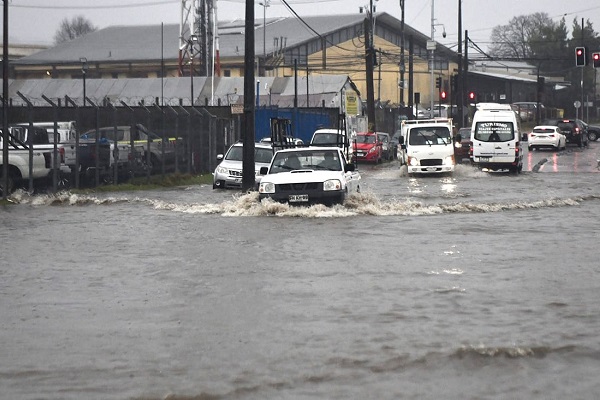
(191, 41)
(84, 68)
(265, 4)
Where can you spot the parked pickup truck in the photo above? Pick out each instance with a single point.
(146, 141)
(18, 164)
(119, 151)
(87, 157)
(39, 139)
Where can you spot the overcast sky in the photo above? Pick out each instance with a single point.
(36, 21)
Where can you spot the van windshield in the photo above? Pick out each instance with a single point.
(429, 136)
(494, 131)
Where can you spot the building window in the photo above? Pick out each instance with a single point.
(227, 73)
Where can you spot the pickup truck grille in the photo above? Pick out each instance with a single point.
(431, 163)
(297, 187)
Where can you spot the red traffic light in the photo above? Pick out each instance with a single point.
(580, 57)
(596, 60)
(443, 95)
(472, 96)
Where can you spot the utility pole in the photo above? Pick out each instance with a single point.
(460, 98)
(5, 102)
(431, 48)
(402, 66)
(248, 178)
(369, 61)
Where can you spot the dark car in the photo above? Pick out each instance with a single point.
(462, 148)
(395, 144)
(574, 130)
(593, 131)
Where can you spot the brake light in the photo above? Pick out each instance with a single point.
(62, 155)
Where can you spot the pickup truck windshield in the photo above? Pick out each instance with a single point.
(494, 131)
(328, 160)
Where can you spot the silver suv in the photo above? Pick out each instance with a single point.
(228, 173)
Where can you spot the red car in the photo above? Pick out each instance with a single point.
(367, 147)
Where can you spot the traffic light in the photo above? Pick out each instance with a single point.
(454, 83)
(438, 82)
(473, 97)
(596, 60)
(443, 96)
(541, 82)
(580, 57)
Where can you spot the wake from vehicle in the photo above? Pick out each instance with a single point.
(248, 205)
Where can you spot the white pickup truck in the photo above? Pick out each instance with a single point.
(18, 164)
(309, 175)
(427, 146)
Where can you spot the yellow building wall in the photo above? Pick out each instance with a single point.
(348, 58)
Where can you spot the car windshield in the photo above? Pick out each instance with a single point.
(261, 155)
(312, 160)
(365, 139)
(429, 136)
(235, 153)
(327, 138)
(494, 131)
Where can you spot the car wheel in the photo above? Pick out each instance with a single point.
(593, 136)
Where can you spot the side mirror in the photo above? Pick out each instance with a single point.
(263, 170)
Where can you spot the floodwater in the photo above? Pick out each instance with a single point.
(473, 286)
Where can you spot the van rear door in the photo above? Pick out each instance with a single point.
(494, 142)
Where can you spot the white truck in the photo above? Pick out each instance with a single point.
(18, 164)
(427, 146)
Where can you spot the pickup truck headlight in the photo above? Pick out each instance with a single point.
(412, 161)
(332, 184)
(266, 187)
(221, 170)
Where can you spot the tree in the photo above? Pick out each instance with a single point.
(525, 35)
(76, 27)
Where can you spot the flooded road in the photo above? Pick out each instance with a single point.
(474, 286)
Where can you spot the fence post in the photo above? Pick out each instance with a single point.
(162, 140)
(97, 142)
(55, 164)
(29, 139)
(68, 100)
(188, 148)
(148, 159)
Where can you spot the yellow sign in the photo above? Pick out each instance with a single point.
(237, 108)
(351, 103)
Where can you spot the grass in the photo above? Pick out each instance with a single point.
(155, 182)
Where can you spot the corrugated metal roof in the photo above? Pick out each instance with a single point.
(155, 42)
(134, 90)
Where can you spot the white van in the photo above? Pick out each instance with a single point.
(496, 138)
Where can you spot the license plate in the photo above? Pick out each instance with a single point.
(298, 198)
(485, 158)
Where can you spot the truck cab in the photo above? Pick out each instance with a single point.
(427, 146)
